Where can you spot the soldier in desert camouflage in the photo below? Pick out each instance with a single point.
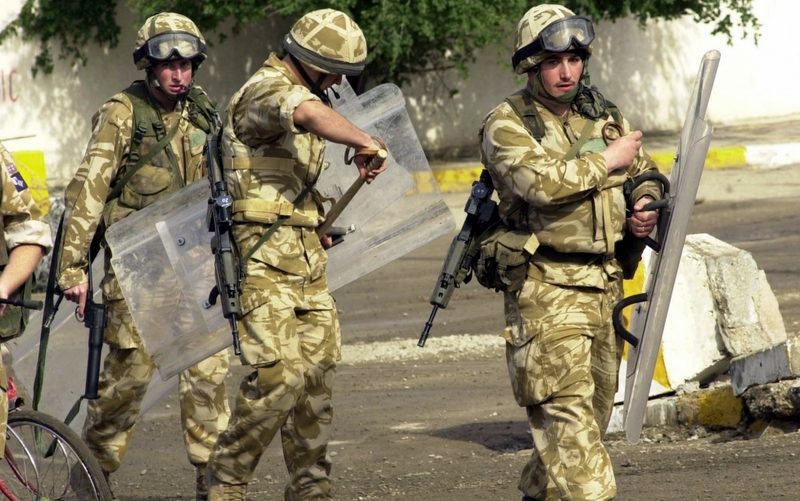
(272, 148)
(147, 142)
(25, 239)
(559, 168)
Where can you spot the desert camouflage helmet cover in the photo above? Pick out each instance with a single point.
(532, 23)
(192, 46)
(329, 41)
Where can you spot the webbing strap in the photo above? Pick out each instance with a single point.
(263, 206)
(277, 224)
(257, 163)
(584, 136)
(159, 146)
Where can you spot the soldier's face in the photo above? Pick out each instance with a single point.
(173, 76)
(331, 80)
(561, 73)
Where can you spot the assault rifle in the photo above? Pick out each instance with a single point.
(219, 218)
(457, 269)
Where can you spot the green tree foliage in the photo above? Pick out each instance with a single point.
(406, 37)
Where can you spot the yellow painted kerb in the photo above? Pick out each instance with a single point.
(723, 157)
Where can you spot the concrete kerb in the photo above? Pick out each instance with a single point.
(458, 176)
(715, 407)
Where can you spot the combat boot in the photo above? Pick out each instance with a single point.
(227, 492)
(200, 483)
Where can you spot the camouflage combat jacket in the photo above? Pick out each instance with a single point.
(21, 221)
(20, 224)
(108, 156)
(267, 162)
(575, 208)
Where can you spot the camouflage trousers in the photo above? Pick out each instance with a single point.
(290, 336)
(563, 360)
(126, 374)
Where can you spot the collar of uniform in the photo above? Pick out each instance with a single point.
(274, 61)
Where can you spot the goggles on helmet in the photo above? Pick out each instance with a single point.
(557, 37)
(168, 45)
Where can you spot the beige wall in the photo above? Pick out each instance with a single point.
(648, 73)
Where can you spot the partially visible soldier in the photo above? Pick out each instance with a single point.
(273, 153)
(559, 153)
(147, 142)
(25, 239)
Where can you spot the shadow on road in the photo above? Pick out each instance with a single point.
(500, 436)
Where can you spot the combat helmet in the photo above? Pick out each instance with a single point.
(168, 36)
(328, 41)
(550, 29)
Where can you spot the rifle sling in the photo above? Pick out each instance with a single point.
(49, 309)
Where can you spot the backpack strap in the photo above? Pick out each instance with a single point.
(524, 106)
(145, 117)
(202, 111)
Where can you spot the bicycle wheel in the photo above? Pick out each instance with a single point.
(45, 460)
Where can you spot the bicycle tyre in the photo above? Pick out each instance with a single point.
(76, 449)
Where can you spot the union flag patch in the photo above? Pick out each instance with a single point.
(16, 177)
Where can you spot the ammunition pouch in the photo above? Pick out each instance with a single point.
(502, 263)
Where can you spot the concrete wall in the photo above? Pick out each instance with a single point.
(648, 73)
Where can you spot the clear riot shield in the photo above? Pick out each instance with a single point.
(65, 367)
(649, 316)
(162, 257)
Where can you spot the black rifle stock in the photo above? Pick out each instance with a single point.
(228, 272)
(457, 268)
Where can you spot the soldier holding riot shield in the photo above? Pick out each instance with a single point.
(559, 155)
(147, 142)
(272, 149)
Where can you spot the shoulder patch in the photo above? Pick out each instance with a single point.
(16, 177)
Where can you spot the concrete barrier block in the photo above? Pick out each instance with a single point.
(722, 306)
(769, 313)
(748, 317)
(690, 347)
(781, 361)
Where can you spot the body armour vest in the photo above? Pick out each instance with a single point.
(154, 169)
(267, 176)
(591, 223)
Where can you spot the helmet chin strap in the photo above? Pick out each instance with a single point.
(315, 86)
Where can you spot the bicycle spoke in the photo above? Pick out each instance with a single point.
(46, 461)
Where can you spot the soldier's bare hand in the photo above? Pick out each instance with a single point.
(621, 152)
(77, 294)
(641, 223)
(326, 241)
(365, 156)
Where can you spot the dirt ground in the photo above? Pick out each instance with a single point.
(440, 423)
(448, 429)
